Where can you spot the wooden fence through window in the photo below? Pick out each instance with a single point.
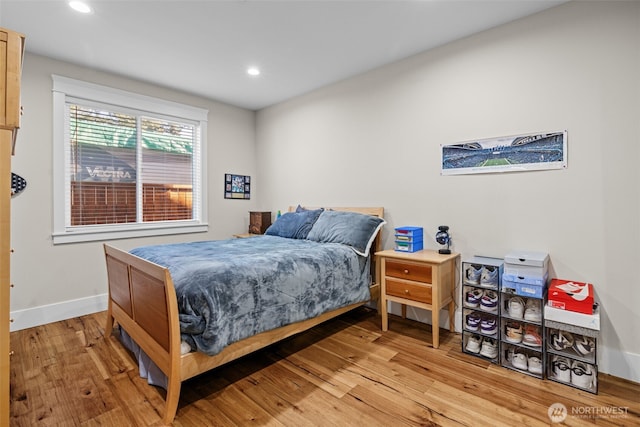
(94, 203)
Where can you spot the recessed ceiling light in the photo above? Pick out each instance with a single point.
(80, 6)
(253, 71)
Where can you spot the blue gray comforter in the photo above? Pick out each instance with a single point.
(231, 289)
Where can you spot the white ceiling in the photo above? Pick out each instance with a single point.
(204, 47)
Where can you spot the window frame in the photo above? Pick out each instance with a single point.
(70, 90)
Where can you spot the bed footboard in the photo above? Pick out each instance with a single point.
(142, 300)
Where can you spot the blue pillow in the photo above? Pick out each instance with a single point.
(294, 225)
(349, 228)
(300, 208)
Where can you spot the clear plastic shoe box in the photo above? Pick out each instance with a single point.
(522, 292)
(522, 335)
(481, 276)
(572, 355)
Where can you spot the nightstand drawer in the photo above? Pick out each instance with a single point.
(408, 270)
(412, 291)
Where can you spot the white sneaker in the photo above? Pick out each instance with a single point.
(561, 369)
(473, 344)
(489, 277)
(582, 374)
(535, 365)
(584, 345)
(489, 301)
(489, 348)
(473, 297)
(519, 361)
(516, 307)
(488, 325)
(472, 321)
(513, 332)
(561, 340)
(532, 312)
(472, 274)
(532, 336)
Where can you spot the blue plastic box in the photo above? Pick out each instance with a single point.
(411, 233)
(533, 287)
(408, 246)
(409, 239)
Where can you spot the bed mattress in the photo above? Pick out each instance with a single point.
(228, 290)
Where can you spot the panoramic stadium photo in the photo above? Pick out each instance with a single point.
(506, 154)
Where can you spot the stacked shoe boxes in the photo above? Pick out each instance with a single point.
(572, 326)
(481, 307)
(522, 293)
(409, 239)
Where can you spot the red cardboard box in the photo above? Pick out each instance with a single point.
(571, 295)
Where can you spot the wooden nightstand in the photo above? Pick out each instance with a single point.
(259, 222)
(424, 279)
(245, 235)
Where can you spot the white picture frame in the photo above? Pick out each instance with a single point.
(526, 152)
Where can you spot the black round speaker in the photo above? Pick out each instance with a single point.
(443, 237)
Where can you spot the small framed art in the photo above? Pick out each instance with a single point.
(237, 186)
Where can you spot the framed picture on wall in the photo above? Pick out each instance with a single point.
(237, 186)
(536, 151)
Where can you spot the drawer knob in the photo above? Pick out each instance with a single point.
(406, 291)
(406, 271)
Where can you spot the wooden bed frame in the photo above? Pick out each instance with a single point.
(142, 300)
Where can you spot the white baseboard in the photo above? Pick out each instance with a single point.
(36, 316)
(612, 361)
(619, 363)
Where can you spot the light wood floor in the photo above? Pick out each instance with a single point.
(345, 372)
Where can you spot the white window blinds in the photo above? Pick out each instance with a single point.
(128, 169)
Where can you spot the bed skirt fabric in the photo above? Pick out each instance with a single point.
(148, 369)
(228, 290)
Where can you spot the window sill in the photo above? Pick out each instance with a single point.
(88, 234)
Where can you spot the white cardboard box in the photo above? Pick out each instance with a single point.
(526, 264)
(589, 321)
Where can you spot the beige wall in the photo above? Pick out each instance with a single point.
(375, 140)
(53, 280)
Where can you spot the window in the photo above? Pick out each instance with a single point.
(125, 165)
